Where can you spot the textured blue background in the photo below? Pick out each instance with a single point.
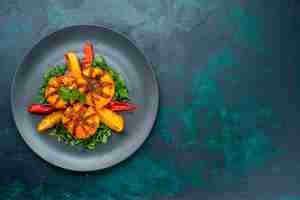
(228, 121)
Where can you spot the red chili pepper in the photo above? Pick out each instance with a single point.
(40, 108)
(120, 106)
(88, 52)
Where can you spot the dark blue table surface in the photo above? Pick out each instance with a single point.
(228, 125)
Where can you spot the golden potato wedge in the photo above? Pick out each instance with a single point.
(111, 119)
(73, 65)
(50, 121)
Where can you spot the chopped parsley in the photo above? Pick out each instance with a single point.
(70, 95)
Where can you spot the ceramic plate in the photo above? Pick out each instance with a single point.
(123, 55)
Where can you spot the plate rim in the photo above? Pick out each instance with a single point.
(155, 96)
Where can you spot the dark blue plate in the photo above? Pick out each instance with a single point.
(122, 55)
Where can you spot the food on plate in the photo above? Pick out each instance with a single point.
(111, 119)
(100, 88)
(121, 106)
(50, 121)
(81, 120)
(40, 108)
(54, 88)
(81, 99)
